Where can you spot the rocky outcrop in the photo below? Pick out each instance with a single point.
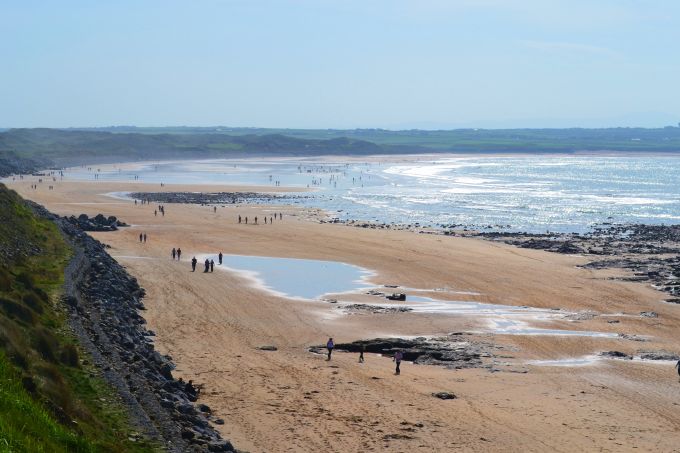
(96, 223)
(103, 303)
(211, 198)
(451, 351)
(374, 309)
(651, 253)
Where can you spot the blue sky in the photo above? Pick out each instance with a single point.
(340, 64)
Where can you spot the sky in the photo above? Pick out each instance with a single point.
(392, 64)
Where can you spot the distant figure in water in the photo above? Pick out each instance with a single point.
(239, 219)
(179, 253)
(219, 258)
(173, 253)
(193, 264)
(398, 356)
(361, 353)
(330, 345)
(212, 265)
(141, 236)
(207, 265)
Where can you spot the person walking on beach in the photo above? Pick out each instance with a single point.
(255, 220)
(398, 356)
(361, 353)
(145, 238)
(239, 219)
(219, 258)
(207, 265)
(155, 213)
(265, 220)
(193, 264)
(179, 253)
(246, 220)
(173, 253)
(214, 208)
(141, 236)
(212, 265)
(677, 365)
(330, 345)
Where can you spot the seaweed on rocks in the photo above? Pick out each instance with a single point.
(452, 351)
(211, 197)
(103, 303)
(650, 253)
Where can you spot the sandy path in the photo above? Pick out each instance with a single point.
(293, 400)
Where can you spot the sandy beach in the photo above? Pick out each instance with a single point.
(294, 400)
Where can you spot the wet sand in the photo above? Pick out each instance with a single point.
(293, 400)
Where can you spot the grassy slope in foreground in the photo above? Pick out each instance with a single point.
(49, 400)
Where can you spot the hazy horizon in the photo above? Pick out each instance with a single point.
(302, 64)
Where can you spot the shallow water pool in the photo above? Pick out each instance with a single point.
(297, 278)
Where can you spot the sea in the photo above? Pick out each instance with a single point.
(532, 193)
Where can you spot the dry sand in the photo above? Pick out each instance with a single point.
(293, 400)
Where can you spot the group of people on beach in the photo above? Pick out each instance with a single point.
(160, 209)
(271, 219)
(396, 358)
(176, 253)
(142, 237)
(209, 264)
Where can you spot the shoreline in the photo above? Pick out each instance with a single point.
(213, 325)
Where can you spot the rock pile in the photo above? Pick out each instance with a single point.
(96, 223)
(103, 303)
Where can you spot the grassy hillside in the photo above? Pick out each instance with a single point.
(59, 145)
(50, 400)
(461, 140)
(25, 150)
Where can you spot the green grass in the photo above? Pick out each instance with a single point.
(25, 425)
(49, 400)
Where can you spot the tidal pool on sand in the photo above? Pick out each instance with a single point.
(298, 278)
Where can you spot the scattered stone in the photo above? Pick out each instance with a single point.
(616, 355)
(269, 347)
(631, 337)
(374, 308)
(649, 314)
(659, 355)
(444, 395)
